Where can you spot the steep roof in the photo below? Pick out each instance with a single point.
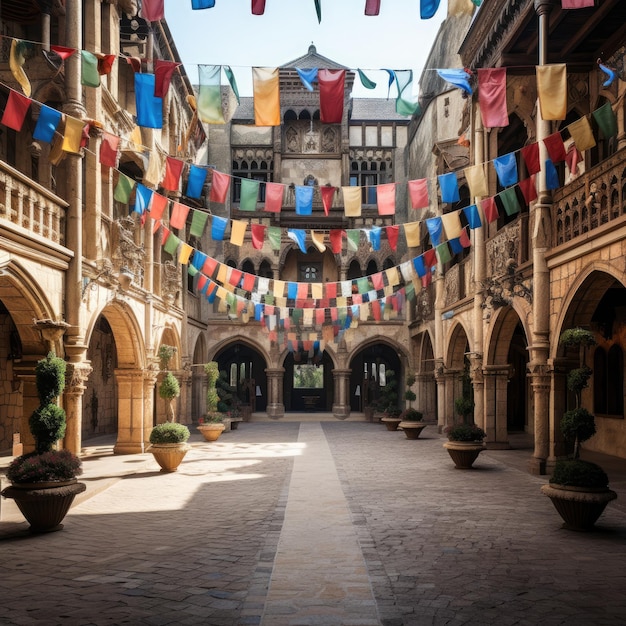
(376, 109)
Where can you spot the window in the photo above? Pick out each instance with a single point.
(256, 170)
(608, 381)
(310, 272)
(367, 176)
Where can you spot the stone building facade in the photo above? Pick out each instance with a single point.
(492, 320)
(79, 273)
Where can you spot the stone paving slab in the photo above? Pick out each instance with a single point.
(426, 543)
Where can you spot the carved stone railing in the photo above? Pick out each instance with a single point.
(595, 198)
(30, 206)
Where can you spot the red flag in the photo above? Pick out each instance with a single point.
(418, 190)
(490, 209)
(328, 193)
(249, 280)
(152, 10)
(209, 267)
(377, 280)
(201, 282)
(427, 279)
(492, 97)
(530, 155)
(274, 197)
(235, 277)
(303, 289)
(258, 235)
(63, 52)
(135, 63)
(105, 63)
(331, 288)
(392, 236)
(376, 310)
(179, 215)
(173, 170)
(164, 235)
(430, 259)
(336, 237)
(464, 239)
(157, 206)
(108, 149)
(372, 7)
(163, 71)
(219, 187)
(331, 84)
(258, 7)
(555, 146)
(528, 189)
(15, 111)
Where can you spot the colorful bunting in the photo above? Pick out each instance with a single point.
(331, 83)
(17, 58)
(108, 149)
(552, 91)
(210, 94)
(266, 96)
(149, 107)
(15, 111)
(492, 97)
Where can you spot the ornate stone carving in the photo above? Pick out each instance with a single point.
(424, 310)
(170, 282)
(128, 254)
(76, 376)
(452, 287)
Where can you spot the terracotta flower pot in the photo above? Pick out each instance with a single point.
(391, 422)
(464, 453)
(211, 431)
(169, 455)
(579, 507)
(412, 429)
(44, 507)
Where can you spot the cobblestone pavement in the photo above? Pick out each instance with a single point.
(331, 523)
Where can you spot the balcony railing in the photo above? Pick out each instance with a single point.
(594, 199)
(30, 206)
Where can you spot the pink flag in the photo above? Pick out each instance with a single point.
(576, 4)
(179, 215)
(258, 7)
(386, 198)
(492, 97)
(331, 84)
(372, 7)
(153, 10)
(418, 190)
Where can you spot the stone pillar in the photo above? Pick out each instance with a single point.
(426, 396)
(478, 384)
(149, 381)
(275, 404)
(495, 394)
(341, 396)
(130, 412)
(76, 376)
(558, 369)
(25, 373)
(541, 225)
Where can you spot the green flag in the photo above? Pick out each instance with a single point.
(353, 237)
(89, 69)
(191, 270)
(249, 194)
(232, 81)
(365, 81)
(123, 189)
(273, 235)
(443, 252)
(409, 291)
(198, 222)
(509, 201)
(606, 120)
(406, 103)
(171, 245)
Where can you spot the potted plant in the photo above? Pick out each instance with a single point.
(169, 389)
(411, 423)
(465, 443)
(44, 482)
(169, 445)
(388, 401)
(212, 424)
(579, 490)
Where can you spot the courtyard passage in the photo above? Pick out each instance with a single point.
(314, 523)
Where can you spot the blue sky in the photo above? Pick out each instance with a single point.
(230, 35)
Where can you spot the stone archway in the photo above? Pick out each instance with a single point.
(453, 379)
(308, 382)
(426, 386)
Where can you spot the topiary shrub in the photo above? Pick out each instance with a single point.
(577, 473)
(411, 415)
(169, 432)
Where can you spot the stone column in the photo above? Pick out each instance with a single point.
(558, 369)
(130, 412)
(341, 396)
(150, 374)
(76, 376)
(541, 240)
(495, 393)
(275, 404)
(478, 384)
(24, 371)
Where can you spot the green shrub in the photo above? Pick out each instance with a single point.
(577, 473)
(578, 425)
(169, 387)
(465, 432)
(169, 432)
(50, 378)
(411, 415)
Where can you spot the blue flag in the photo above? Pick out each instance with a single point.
(149, 107)
(473, 216)
(435, 229)
(46, 124)
(299, 236)
(143, 195)
(218, 228)
(459, 78)
(198, 259)
(195, 181)
(307, 77)
(304, 200)
(506, 169)
(449, 186)
(552, 177)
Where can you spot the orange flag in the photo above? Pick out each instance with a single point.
(73, 135)
(266, 96)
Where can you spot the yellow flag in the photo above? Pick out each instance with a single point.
(135, 139)
(184, 254)
(279, 288)
(552, 91)
(352, 201)
(460, 7)
(154, 173)
(392, 276)
(317, 291)
(581, 133)
(412, 234)
(237, 232)
(476, 179)
(266, 96)
(364, 312)
(318, 240)
(16, 62)
(452, 225)
(73, 135)
(221, 274)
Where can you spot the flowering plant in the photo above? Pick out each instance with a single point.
(52, 466)
(465, 432)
